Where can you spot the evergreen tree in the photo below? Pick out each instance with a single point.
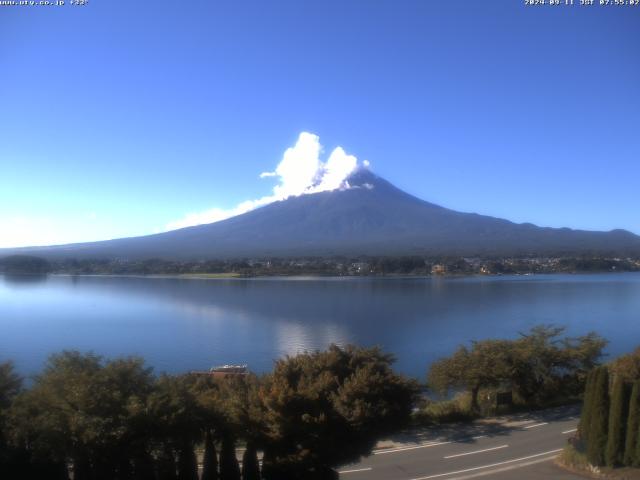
(269, 470)
(598, 425)
(250, 468)
(633, 427)
(36, 470)
(636, 457)
(187, 463)
(587, 407)
(143, 466)
(618, 413)
(124, 470)
(229, 468)
(349, 395)
(166, 464)
(11, 459)
(210, 461)
(178, 422)
(81, 468)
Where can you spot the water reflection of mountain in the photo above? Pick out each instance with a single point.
(24, 279)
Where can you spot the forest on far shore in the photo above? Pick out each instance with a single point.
(337, 266)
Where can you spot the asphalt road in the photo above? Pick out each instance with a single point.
(521, 447)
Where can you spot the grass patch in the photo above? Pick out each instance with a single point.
(573, 458)
(458, 409)
(211, 275)
(576, 461)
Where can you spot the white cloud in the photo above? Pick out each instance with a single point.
(336, 170)
(216, 214)
(299, 167)
(299, 172)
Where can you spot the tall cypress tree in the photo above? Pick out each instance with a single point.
(166, 464)
(187, 463)
(587, 407)
(229, 468)
(143, 466)
(43, 469)
(250, 467)
(82, 468)
(598, 425)
(633, 427)
(618, 414)
(636, 457)
(268, 464)
(210, 461)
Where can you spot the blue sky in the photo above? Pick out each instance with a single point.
(122, 118)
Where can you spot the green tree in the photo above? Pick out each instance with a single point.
(229, 468)
(187, 463)
(10, 385)
(250, 466)
(598, 428)
(538, 366)
(633, 427)
(24, 265)
(166, 463)
(587, 407)
(487, 364)
(244, 415)
(547, 365)
(627, 366)
(178, 417)
(143, 466)
(618, 413)
(54, 418)
(11, 459)
(86, 411)
(210, 460)
(636, 460)
(348, 395)
(122, 389)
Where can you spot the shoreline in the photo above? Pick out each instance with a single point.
(308, 276)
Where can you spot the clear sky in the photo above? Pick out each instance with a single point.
(122, 118)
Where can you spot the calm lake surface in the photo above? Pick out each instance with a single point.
(185, 324)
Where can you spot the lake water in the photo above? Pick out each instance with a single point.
(186, 324)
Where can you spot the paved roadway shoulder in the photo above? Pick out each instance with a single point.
(493, 449)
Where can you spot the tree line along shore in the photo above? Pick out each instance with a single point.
(85, 417)
(337, 266)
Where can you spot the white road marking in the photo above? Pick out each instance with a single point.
(570, 431)
(505, 468)
(422, 445)
(477, 451)
(537, 425)
(489, 466)
(402, 449)
(368, 469)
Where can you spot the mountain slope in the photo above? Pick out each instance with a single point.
(371, 218)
